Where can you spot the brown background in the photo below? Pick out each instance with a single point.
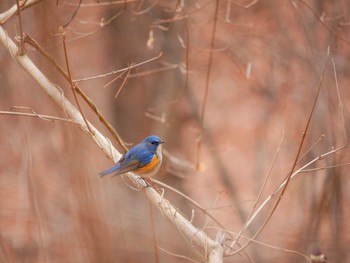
(53, 206)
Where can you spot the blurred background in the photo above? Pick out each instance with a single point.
(233, 88)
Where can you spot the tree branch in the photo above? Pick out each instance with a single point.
(213, 249)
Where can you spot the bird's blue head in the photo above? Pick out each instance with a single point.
(153, 142)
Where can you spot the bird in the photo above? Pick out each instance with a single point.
(144, 159)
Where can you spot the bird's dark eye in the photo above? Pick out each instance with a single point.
(154, 142)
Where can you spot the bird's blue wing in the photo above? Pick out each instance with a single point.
(135, 158)
(141, 154)
(124, 165)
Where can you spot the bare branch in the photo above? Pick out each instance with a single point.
(35, 115)
(213, 248)
(5, 16)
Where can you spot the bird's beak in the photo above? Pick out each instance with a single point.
(162, 142)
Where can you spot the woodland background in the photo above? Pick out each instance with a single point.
(228, 85)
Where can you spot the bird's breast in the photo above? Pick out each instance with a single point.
(151, 168)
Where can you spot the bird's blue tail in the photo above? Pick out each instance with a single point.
(109, 170)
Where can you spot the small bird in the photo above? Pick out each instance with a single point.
(144, 159)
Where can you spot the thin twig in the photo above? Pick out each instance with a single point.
(340, 104)
(312, 146)
(207, 81)
(123, 83)
(36, 115)
(323, 23)
(181, 257)
(147, 9)
(119, 70)
(114, 79)
(260, 193)
(153, 71)
(272, 246)
(246, 6)
(193, 202)
(73, 87)
(5, 16)
(73, 15)
(103, 4)
(101, 26)
(324, 167)
(21, 49)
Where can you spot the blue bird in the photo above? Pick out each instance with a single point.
(144, 159)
